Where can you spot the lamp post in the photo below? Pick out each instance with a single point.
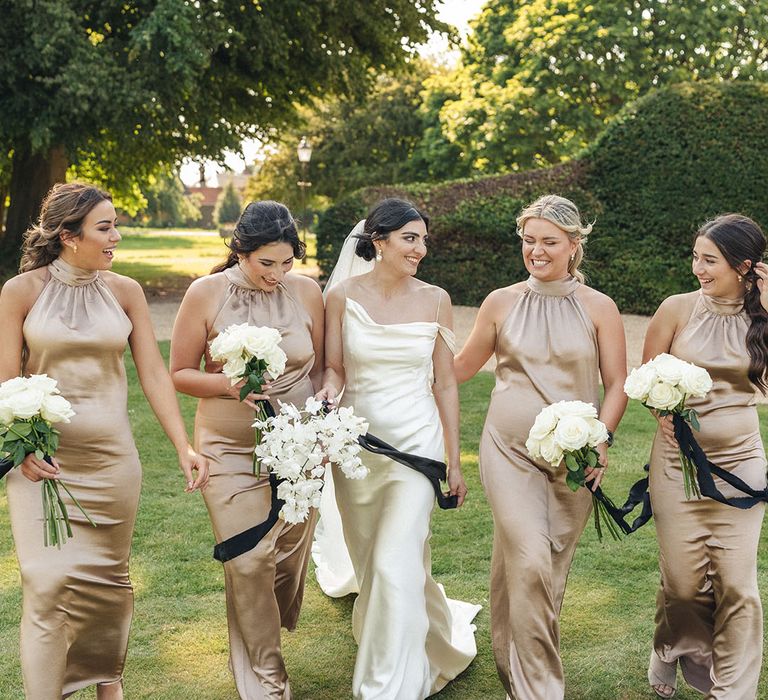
(304, 151)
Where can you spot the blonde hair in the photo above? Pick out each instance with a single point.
(62, 211)
(564, 214)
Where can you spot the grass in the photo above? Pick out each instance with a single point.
(178, 645)
(166, 263)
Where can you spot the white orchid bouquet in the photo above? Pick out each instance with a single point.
(664, 384)
(569, 432)
(29, 406)
(297, 445)
(248, 353)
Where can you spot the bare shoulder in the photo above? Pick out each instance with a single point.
(500, 301)
(678, 306)
(595, 300)
(302, 285)
(23, 289)
(207, 286)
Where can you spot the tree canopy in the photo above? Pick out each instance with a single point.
(116, 88)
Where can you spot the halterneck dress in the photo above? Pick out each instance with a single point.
(265, 586)
(78, 600)
(546, 351)
(411, 640)
(709, 615)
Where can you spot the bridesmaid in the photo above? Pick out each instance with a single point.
(554, 338)
(709, 616)
(265, 586)
(66, 315)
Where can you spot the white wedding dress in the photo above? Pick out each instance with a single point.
(412, 640)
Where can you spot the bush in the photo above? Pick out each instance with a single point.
(228, 206)
(663, 166)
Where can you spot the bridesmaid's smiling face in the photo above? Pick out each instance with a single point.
(547, 250)
(404, 248)
(266, 266)
(94, 248)
(715, 274)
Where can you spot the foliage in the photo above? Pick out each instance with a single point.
(540, 79)
(127, 86)
(228, 205)
(167, 205)
(667, 163)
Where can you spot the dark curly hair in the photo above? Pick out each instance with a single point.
(388, 215)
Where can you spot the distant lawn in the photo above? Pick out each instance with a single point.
(178, 646)
(167, 262)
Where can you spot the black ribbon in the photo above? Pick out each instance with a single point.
(5, 466)
(245, 541)
(706, 469)
(638, 494)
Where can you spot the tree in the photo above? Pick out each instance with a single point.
(228, 206)
(539, 79)
(116, 87)
(167, 205)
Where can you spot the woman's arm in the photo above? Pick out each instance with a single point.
(334, 376)
(481, 343)
(156, 382)
(312, 299)
(446, 395)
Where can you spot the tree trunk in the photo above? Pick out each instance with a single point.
(32, 175)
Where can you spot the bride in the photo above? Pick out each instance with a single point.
(390, 348)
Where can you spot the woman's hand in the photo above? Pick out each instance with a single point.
(456, 484)
(595, 474)
(190, 462)
(37, 469)
(761, 270)
(668, 429)
(328, 395)
(251, 399)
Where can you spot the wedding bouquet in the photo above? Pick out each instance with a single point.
(570, 431)
(248, 352)
(298, 444)
(664, 384)
(28, 408)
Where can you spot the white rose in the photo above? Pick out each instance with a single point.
(44, 383)
(228, 344)
(571, 433)
(579, 409)
(13, 386)
(663, 396)
(669, 368)
(551, 452)
(26, 403)
(544, 424)
(695, 381)
(598, 433)
(234, 369)
(6, 412)
(640, 381)
(533, 445)
(56, 409)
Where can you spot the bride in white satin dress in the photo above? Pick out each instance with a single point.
(390, 348)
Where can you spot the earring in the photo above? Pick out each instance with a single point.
(74, 250)
(573, 256)
(378, 255)
(741, 279)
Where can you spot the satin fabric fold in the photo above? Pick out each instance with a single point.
(411, 640)
(546, 351)
(78, 600)
(709, 614)
(264, 586)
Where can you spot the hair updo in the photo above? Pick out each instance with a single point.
(62, 212)
(388, 215)
(260, 224)
(564, 214)
(739, 238)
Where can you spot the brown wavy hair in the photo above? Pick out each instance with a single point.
(62, 212)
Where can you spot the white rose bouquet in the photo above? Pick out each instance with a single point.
(570, 431)
(664, 384)
(248, 352)
(298, 444)
(28, 408)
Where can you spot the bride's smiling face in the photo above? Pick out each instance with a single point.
(404, 248)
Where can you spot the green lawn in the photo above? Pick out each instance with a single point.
(164, 262)
(178, 642)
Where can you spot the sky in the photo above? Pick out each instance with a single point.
(455, 12)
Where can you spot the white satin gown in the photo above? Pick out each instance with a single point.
(411, 639)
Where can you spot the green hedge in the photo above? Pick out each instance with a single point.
(668, 162)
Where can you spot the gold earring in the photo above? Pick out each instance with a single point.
(75, 249)
(741, 279)
(378, 255)
(573, 255)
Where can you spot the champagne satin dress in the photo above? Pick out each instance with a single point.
(78, 600)
(546, 351)
(709, 615)
(411, 640)
(265, 586)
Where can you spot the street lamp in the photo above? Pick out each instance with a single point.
(304, 151)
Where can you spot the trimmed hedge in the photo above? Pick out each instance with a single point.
(668, 162)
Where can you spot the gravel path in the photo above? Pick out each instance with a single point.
(164, 312)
